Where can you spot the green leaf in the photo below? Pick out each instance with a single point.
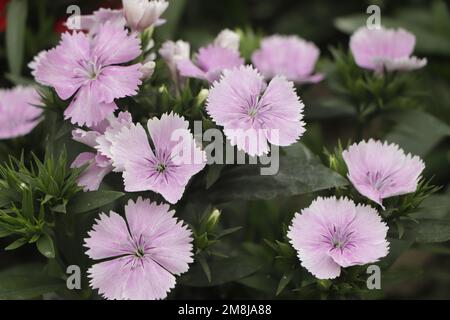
(228, 231)
(45, 246)
(284, 281)
(173, 16)
(222, 271)
(300, 172)
(433, 230)
(15, 34)
(16, 244)
(19, 80)
(204, 264)
(436, 206)
(4, 232)
(418, 132)
(27, 204)
(213, 174)
(27, 282)
(87, 201)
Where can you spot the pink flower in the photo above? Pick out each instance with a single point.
(333, 233)
(100, 138)
(88, 69)
(19, 113)
(390, 49)
(94, 21)
(141, 14)
(36, 60)
(211, 61)
(289, 56)
(254, 113)
(381, 170)
(144, 253)
(166, 168)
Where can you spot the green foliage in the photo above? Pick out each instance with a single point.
(249, 42)
(299, 172)
(207, 233)
(89, 201)
(27, 282)
(417, 132)
(239, 217)
(30, 198)
(15, 34)
(369, 93)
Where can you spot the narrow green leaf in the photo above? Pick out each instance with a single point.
(15, 34)
(45, 246)
(87, 201)
(27, 204)
(204, 264)
(16, 244)
(213, 174)
(284, 281)
(4, 232)
(228, 231)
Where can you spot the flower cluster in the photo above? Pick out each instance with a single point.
(101, 70)
(334, 233)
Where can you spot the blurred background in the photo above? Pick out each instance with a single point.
(327, 23)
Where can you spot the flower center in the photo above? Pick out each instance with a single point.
(93, 70)
(89, 69)
(377, 181)
(161, 167)
(139, 252)
(252, 112)
(339, 238)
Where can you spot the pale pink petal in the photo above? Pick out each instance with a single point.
(333, 233)
(116, 82)
(253, 113)
(120, 279)
(108, 238)
(380, 170)
(187, 68)
(87, 109)
(381, 48)
(85, 137)
(163, 131)
(113, 45)
(288, 56)
(112, 129)
(59, 67)
(171, 241)
(130, 145)
(284, 112)
(19, 111)
(146, 254)
(210, 63)
(92, 176)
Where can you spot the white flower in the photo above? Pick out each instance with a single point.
(172, 52)
(147, 69)
(228, 39)
(141, 14)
